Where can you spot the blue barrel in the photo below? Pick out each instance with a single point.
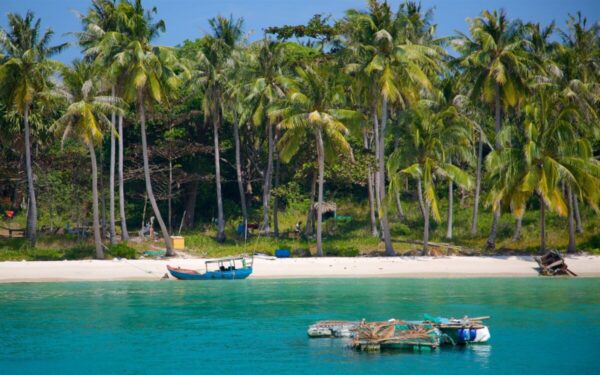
(282, 253)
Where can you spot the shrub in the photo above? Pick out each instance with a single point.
(350, 251)
(122, 251)
(400, 229)
(79, 252)
(45, 254)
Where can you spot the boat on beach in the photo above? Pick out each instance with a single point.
(229, 268)
(427, 334)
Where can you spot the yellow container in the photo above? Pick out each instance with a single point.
(178, 242)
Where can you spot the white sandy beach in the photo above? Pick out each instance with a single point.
(147, 269)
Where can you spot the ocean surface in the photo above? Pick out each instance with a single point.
(538, 326)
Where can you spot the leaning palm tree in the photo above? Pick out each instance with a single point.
(25, 74)
(495, 59)
(149, 77)
(313, 109)
(84, 119)
(435, 131)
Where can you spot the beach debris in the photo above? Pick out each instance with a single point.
(552, 264)
(427, 334)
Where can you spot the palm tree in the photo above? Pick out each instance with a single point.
(84, 119)
(398, 69)
(435, 131)
(25, 74)
(312, 109)
(213, 57)
(100, 19)
(148, 76)
(495, 59)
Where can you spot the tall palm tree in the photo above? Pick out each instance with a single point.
(435, 131)
(312, 108)
(25, 75)
(398, 69)
(212, 60)
(84, 119)
(148, 77)
(101, 18)
(495, 59)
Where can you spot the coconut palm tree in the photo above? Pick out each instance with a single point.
(312, 109)
(84, 119)
(398, 69)
(495, 59)
(148, 77)
(25, 75)
(435, 130)
(211, 66)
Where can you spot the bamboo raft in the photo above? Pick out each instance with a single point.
(553, 264)
(428, 334)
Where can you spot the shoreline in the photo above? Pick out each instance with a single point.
(295, 268)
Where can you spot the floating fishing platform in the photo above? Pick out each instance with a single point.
(423, 335)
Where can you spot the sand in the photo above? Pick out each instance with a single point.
(149, 269)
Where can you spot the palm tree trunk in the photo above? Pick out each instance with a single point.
(578, 226)
(149, 191)
(238, 171)
(190, 203)
(450, 209)
(310, 215)
(32, 211)
(96, 218)
(491, 241)
(275, 200)
(111, 179)
(477, 186)
(267, 181)
(376, 178)
(385, 228)
(426, 230)
(399, 209)
(374, 231)
(124, 233)
(170, 196)
(572, 247)
(518, 227)
(542, 225)
(321, 161)
(220, 219)
(420, 196)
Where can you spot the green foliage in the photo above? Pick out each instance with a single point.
(350, 251)
(122, 251)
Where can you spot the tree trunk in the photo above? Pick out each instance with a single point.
(220, 219)
(32, 211)
(450, 209)
(310, 215)
(518, 226)
(96, 218)
(111, 178)
(170, 196)
(542, 225)
(578, 226)
(238, 171)
(426, 230)
(475, 217)
(267, 181)
(491, 241)
(373, 217)
(103, 230)
(124, 232)
(321, 161)
(420, 197)
(149, 191)
(275, 200)
(572, 247)
(385, 228)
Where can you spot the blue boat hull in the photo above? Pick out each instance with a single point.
(211, 275)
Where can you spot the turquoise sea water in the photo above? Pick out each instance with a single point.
(545, 326)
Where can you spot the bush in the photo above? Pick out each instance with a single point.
(79, 252)
(122, 251)
(593, 242)
(45, 254)
(350, 251)
(400, 229)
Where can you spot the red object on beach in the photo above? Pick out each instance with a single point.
(10, 214)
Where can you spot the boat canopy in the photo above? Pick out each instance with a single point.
(227, 259)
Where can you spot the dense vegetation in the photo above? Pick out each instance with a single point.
(373, 111)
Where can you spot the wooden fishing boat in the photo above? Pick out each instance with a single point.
(230, 268)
